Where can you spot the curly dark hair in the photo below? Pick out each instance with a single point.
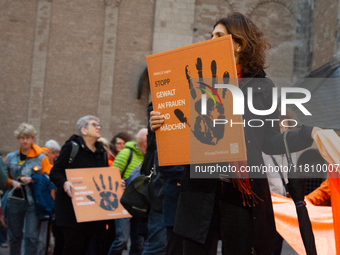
(122, 135)
(253, 45)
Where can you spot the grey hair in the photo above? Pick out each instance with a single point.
(141, 135)
(83, 122)
(141, 138)
(26, 130)
(52, 145)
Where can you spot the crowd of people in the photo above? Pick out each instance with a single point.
(194, 213)
(26, 232)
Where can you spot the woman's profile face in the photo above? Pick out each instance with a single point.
(93, 129)
(221, 30)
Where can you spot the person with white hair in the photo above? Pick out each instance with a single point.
(53, 150)
(91, 153)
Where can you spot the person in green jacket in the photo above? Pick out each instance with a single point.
(136, 149)
(128, 227)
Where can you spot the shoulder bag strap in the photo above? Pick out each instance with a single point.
(128, 163)
(281, 175)
(74, 152)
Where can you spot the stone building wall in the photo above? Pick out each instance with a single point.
(324, 32)
(16, 51)
(90, 63)
(63, 59)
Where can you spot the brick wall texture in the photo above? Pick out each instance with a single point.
(63, 59)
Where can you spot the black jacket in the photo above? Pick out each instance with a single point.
(197, 197)
(85, 158)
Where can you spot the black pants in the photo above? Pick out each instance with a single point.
(59, 241)
(232, 220)
(78, 239)
(175, 243)
(279, 249)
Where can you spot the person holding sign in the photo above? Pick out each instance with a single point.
(238, 207)
(91, 153)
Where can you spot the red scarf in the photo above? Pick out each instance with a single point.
(243, 186)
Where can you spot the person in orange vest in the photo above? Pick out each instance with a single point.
(21, 165)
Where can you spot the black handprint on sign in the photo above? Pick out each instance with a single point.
(191, 87)
(180, 115)
(226, 79)
(109, 200)
(204, 129)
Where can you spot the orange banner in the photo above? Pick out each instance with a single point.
(328, 143)
(288, 227)
(198, 116)
(97, 193)
(334, 184)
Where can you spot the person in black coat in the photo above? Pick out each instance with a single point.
(91, 154)
(242, 216)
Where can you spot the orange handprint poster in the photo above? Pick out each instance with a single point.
(97, 193)
(187, 88)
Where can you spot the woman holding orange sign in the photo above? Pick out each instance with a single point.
(237, 208)
(89, 154)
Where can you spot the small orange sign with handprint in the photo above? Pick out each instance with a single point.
(97, 193)
(199, 125)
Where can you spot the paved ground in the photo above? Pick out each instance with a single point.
(286, 250)
(4, 251)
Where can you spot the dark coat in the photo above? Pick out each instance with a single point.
(171, 176)
(197, 196)
(85, 158)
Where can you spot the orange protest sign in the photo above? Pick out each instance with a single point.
(199, 118)
(97, 193)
